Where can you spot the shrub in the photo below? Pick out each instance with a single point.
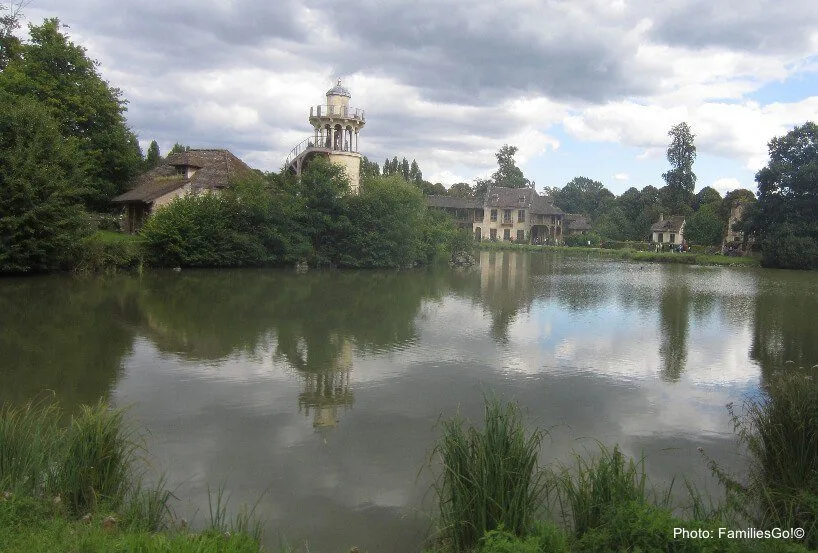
(785, 249)
(490, 477)
(109, 251)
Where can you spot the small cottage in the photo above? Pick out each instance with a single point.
(189, 172)
(576, 224)
(668, 231)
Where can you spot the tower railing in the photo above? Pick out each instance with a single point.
(311, 142)
(301, 147)
(340, 111)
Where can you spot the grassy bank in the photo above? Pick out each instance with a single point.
(632, 255)
(494, 498)
(76, 484)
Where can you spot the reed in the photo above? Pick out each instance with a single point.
(780, 432)
(598, 485)
(490, 477)
(29, 441)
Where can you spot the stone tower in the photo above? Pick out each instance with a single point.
(335, 136)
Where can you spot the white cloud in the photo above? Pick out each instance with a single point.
(726, 184)
(621, 176)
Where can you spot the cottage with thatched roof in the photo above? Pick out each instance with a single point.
(668, 231)
(576, 224)
(189, 172)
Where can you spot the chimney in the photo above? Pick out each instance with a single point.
(661, 216)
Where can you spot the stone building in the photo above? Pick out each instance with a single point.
(668, 231)
(506, 214)
(190, 172)
(336, 126)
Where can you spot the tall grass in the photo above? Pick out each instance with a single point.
(29, 441)
(490, 477)
(780, 433)
(90, 462)
(598, 485)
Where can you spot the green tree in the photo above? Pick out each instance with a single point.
(787, 216)
(386, 167)
(324, 189)
(369, 168)
(508, 174)
(614, 224)
(404, 169)
(41, 213)
(415, 174)
(460, 190)
(706, 226)
(706, 196)
(178, 149)
(10, 21)
(681, 180)
(385, 229)
(153, 157)
(584, 195)
(58, 74)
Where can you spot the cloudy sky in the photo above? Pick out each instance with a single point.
(582, 87)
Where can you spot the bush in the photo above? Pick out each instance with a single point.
(581, 240)
(109, 251)
(490, 477)
(784, 249)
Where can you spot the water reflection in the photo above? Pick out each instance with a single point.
(785, 333)
(674, 310)
(63, 335)
(238, 373)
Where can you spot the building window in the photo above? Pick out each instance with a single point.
(661, 238)
(506, 215)
(494, 215)
(507, 234)
(493, 234)
(672, 238)
(521, 215)
(181, 170)
(520, 236)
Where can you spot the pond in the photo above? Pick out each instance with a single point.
(317, 395)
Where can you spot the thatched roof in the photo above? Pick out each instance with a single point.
(575, 221)
(673, 223)
(214, 169)
(520, 198)
(452, 202)
(545, 206)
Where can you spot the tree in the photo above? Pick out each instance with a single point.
(369, 168)
(41, 180)
(9, 22)
(153, 157)
(508, 174)
(584, 195)
(706, 226)
(178, 149)
(460, 190)
(787, 216)
(404, 169)
(681, 180)
(58, 74)
(706, 196)
(386, 167)
(415, 174)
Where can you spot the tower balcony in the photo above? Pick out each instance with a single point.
(344, 112)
